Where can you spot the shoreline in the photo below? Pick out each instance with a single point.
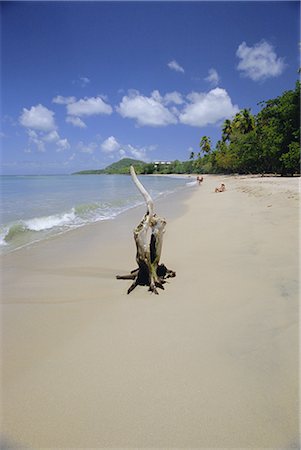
(210, 362)
(27, 237)
(164, 199)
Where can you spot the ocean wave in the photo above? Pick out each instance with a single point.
(82, 214)
(9, 233)
(49, 222)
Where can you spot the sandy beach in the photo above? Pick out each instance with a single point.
(212, 362)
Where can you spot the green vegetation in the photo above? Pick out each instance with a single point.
(268, 142)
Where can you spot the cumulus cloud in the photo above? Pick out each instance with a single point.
(174, 65)
(146, 110)
(213, 77)
(197, 109)
(110, 145)
(38, 118)
(41, 138)
(60, 100)
(260, 61)
(207, 108)
(88, 107)
(76, 121)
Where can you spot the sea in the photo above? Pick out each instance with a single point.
(34, 208)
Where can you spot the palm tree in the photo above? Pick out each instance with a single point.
(243, 122)
(248, 120)
(227, 130)
(237, 122)
(191, 156)
(205, 144)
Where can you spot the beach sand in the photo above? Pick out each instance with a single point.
(211, 362)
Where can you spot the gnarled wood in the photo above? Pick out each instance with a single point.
(148, 237)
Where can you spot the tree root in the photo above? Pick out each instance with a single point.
(141, 278)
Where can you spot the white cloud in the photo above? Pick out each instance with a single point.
(260, 61)
(114, 149)
(53, 136)
(62, 144)
(173, 97)
(35, 139)
(174, 65)
(138, 153)
(110, 145)
(38, 118)
(76, 121)
(213, 77)
(197, 109)
(146, 110)
(40, 138)
(207, 108)
(60, 100)
(88, 107)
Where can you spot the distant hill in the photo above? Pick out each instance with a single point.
(119, 167)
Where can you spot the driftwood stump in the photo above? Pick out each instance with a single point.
(148, 237)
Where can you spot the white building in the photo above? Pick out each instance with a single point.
(158, 163)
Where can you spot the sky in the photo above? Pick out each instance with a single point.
(84, 84)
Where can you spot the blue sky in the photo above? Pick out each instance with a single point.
(86, 83)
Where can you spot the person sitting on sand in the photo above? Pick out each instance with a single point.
(222, 188)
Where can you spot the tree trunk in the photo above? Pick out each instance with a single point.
(148, 237)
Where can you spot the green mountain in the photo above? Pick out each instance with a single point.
(119, 167)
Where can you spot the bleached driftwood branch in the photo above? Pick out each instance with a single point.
(149, 272)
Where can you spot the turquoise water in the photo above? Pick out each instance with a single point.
(35, 207)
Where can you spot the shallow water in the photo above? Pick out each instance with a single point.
(36, 207)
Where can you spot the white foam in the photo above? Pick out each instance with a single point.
(3, 236)
(48, 222)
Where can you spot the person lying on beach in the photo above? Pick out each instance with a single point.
(222, 188)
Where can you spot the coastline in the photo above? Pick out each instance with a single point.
(210, 362)
(90, 200)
